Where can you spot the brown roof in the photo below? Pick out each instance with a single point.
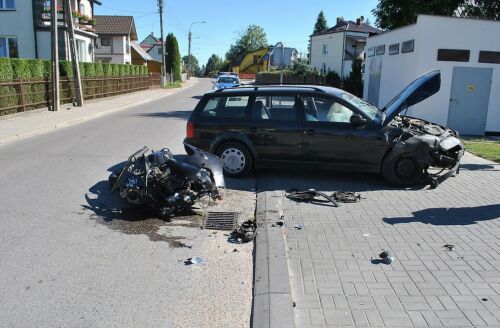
(115, 25)
(350, 26)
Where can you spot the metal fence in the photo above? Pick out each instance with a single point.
(351, 86)
(21, 95)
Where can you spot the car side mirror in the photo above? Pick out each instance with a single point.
(357, 120)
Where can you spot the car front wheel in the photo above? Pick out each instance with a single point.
(236, 159)
(402, 170)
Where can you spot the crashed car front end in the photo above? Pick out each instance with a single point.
(436, 148)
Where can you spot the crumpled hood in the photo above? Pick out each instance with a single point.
(417, 91)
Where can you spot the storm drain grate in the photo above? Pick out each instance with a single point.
(221, 220)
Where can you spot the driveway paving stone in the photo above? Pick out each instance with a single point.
(336, 278)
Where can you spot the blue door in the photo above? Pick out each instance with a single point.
(470, 95)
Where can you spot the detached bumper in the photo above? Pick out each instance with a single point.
(435, 181)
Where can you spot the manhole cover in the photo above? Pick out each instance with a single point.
(221, 220)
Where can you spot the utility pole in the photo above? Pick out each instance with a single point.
(55, 56)
(190, 37)
(189, 55)
(74, 58)
(282, 59)
(163, 66)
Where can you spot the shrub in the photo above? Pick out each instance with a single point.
(6, 72)
(99, 69)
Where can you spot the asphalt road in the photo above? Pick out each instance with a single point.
(67, 261)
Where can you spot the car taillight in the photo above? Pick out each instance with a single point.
(190, 130)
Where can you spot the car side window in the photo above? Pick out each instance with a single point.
(274, 108)
(228, 107)
(319, 109)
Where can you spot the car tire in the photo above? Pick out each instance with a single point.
(237, 161)
(402, 170)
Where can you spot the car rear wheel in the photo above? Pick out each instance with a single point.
(236, 159)
(402, 170)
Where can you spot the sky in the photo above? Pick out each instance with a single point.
(290, 21)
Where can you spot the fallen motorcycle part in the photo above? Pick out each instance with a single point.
(386, 257)
(346, 196)
(311, 196)
(220, 221)
(197, 260)
(245, 233)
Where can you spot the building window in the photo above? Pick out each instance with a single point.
(453, 55)
(8, 47)
(371, 52)
(394, 49)
(407, 46)
(492, 57)
(380, 50)
(7, 4)
(105, 42)
(325, 49)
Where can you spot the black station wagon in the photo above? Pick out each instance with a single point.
(323, 127)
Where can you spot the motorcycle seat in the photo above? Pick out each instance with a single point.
(181, 168)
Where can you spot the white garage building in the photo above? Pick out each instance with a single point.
(466, 51)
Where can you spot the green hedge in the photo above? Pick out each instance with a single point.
(36, 69)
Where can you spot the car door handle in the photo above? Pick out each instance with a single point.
(310, 132)
(253, 129)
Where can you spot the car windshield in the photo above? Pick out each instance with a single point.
(371, 111)
(228, 79)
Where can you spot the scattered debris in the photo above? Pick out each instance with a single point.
(366, 235)
(197, 260)
(299, 226)
(310, 195)
(235, 250)
(280, 223)
(386, 257)
(244, 233)
(347, 196)
(449, 247)
(484, 299)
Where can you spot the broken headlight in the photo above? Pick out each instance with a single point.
(449, 143)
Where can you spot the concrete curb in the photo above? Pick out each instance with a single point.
(272, 303)
(72, 121)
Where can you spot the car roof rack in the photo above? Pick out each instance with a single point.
(318, 89)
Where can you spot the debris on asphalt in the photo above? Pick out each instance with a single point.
(299, 226)
(244, 233)
(366, 235)
(197, 260)
(235, 250)
(386, 257)
(347, 196)
(449, 247)
(311, 196)
(279, 223)
(484, 299)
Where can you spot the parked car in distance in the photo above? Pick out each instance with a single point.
(228, 73)
(226, 81)
(323, 127)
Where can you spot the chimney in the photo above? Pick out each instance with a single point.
(152, 33)
(340, 19)
(358, 21)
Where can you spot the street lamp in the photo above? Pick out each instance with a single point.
(188, 71)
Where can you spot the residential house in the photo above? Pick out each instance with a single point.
(335, 48)
(466, 51)
(153, 46)
(264, 59)
(141, 57)
(115, 36)
(25, 29)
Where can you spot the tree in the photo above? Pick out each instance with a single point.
(173, 57)
(195, 66)
(252, 39)
(486, 9)
(212, 65)
(321, 23)
(390, 14)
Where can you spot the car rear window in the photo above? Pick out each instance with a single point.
(228, 107)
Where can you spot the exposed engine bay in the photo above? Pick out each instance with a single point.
(171, 185)
(430, 144)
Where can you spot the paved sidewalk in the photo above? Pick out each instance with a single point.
(334, 281)
(18, 126)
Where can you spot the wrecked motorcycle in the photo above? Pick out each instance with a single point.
(171, 185)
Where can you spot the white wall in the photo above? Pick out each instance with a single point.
(19, 23)
(432, 33)
(333, 60)
(397, 70)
